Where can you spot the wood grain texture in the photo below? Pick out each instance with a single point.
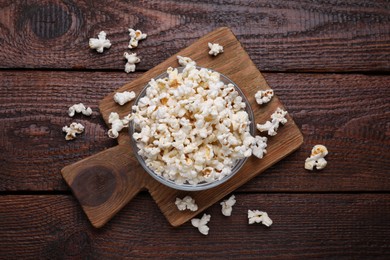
(325, 226)
(348, 113)
(278, 35)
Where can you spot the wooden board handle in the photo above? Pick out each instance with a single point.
(105, 183)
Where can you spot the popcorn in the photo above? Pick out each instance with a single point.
(72, 130)
(124, 97)
(186, 203)
(258, 147)
(201, 224)
(100, 43)
(316, 158)
(132, 59)
(117, 124)
(135, 36)
(227, 206)
(215, 49)
(264, 96)
(278, 117)
(79, 108)
(257, 216)
(183, 61)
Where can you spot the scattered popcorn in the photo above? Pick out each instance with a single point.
(117, 124)
(79, 108)
(191, 127)
(72, 130)
(124, 97)
(215, 49)
(132, 59)
(227, 206)
(316, 158)
(183, 61)
(257, 216)
(186, 203)
(258, 147)
(201, 224)
(135, 36)
(278, 117)
(264, 96)
(99, 43)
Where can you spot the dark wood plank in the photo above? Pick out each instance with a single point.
(278, 35)
(305, 226)
(347, 113)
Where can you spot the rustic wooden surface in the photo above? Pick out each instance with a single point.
(337, 90)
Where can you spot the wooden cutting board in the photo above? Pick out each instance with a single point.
(106, 182)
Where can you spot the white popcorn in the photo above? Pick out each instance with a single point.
(79, 108)
(277, 118)
(186, 203)
(72, 130)
(132, 59)
(316, 158)
(124, 97)
(215, 49)
(264, 96)
(257, 216)
(259, 145)
(227, 206)
(117, 124)
(135, 36)
(183, 61)
(201, 224)
(99, 43)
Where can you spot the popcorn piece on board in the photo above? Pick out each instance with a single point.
(132, 59)
(264, 96)
(316, 158)
(227, 206)
(79, 108)
(135, 36)
(123, 97)
(201, 224)
(257, 216)
(99, 43)
(72, 130)
(186, 203)
(215, 49)
(277, 118)
(117, 124)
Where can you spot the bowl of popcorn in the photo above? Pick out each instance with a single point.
(192, 128)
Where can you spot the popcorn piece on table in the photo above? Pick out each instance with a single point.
(79, 108)
(183, 61)
(227, 206)
(135, 36)
(215, 49)
(264, 96)
(72, 130)
(123, 97)
(201, 224)
(99, 43)
(278, 117)
(186, 203)
(257, 216)
(117, 124)
(258, 147)
(316, 158)
(132, 59)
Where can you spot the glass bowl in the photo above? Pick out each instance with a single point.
(202, 185)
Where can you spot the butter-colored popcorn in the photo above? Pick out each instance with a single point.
(132, 59)
(277, 118)
(259, 145)
(117, 124)
(99, 43)
(201, 224)
(184, 61)
(227, 206)
(135, 36)
(79, 108)
(316, 158)
(186, 203)
(123, 97)
(257, 216)
(215, 49)
(264, 96)
(72, 130)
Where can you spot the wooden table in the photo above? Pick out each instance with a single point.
(328, 61)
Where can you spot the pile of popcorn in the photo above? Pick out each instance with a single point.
(192, 127)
